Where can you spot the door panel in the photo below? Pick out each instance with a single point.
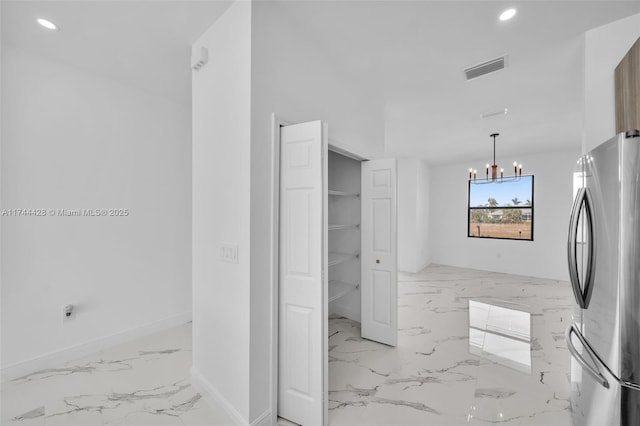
(298, 322)
(381, 210)
(630, 270)
(301, 282)
(600, 321)
(379, 253)
(381, 290)
(298, 212)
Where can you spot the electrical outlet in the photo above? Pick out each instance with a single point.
(68, 313)
(229, 252)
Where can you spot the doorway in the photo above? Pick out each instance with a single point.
(333, 214)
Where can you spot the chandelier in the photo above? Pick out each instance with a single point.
(517, 170)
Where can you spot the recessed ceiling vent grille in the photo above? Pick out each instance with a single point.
(486, 68)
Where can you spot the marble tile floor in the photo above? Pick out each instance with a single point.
(513, 371)
(143, 382)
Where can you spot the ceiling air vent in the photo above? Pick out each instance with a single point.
(486, 68)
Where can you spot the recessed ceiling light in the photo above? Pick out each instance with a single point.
(507, 14)
(47, 24)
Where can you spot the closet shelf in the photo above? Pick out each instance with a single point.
(337, 227)
(337, 289)
(343, 194)
(336, 258)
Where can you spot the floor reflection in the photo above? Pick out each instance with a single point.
(516, 372)
(500, 334)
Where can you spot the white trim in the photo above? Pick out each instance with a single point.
(325, 274)
(346, 150)
(424, 265)
(345, 312)
(265, 419)
(214, 398)
(58, 357)
(274, 233)
(415, 270)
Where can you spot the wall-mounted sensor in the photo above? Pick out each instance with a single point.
(199, 58)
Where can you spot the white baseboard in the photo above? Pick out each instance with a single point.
(424, 265)
(56, 358)
(263, 420)
(418, 269)
(346, 312)
(214, 398)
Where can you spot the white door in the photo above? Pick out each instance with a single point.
(379, 254)
(301, 331)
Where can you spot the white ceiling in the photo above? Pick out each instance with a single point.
(144, 44)
(411, 54)
(414, 53)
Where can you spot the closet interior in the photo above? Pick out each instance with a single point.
(344, 236)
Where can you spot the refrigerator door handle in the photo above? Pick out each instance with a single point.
(590, 274)
(593, 371)
(583, 296)
(571, 246)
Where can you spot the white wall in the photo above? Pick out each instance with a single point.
(297, 79)
(259, 64)
(71, 140)
(604, 49)
(407, 181)
(544, 257)
(423, 216)
(221, 192)
(413, 215)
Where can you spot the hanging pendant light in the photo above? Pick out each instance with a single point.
(517, 169)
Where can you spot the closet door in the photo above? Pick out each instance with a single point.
(379, 253)
(301, 286)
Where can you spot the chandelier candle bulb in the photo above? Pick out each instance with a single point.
(493, 178)
(473, 173)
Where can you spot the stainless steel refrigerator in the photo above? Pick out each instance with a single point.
(604, 269)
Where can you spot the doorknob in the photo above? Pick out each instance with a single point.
(377, 260)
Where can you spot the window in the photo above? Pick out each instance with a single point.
(502, 209)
